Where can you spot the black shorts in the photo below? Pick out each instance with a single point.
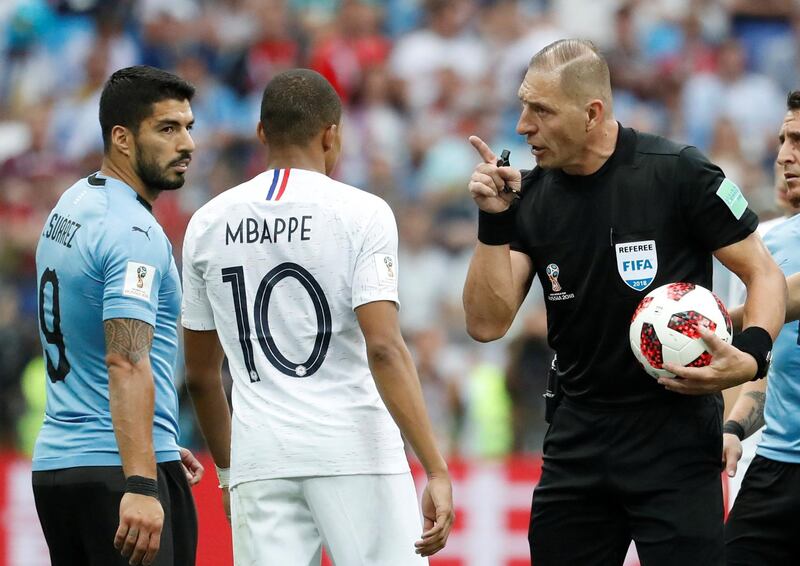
(649, 473)
(79, 512)
(764, 524)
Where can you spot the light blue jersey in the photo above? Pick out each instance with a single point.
(781, 439)
(102, 255)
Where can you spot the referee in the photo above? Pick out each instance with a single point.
(609, 213)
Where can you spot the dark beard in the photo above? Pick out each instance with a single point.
(151, 174)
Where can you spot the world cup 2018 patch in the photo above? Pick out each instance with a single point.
(139, 279)
(387, 269)
(732, 197)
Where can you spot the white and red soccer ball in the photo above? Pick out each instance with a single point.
(664, 327)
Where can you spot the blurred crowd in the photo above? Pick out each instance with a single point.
(417, 77)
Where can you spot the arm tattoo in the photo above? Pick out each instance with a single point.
(128, 337)
(755, 418)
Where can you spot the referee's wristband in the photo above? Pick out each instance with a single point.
(224, 477)
(499, 228)
(141, 486)
(757, 342)
(733, 427)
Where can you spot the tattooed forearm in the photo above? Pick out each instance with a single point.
(129, 338)
(754, 419)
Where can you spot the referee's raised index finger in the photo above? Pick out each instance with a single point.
(484, 150)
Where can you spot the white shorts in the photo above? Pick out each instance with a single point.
(363, 520)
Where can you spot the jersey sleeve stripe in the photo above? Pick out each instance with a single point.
(283, 184)
(275, 176)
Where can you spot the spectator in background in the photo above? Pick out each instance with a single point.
(104, 30)
(727, 93)
(444, 43)
(75, 129)
(30, 183)
(350, 46)
(441, 368)
(166, 27)
(17, 344)
(526, 380)
(275, 48)
(376, 153)
(424, 268)
(726, 151)
(630, 70)
(233, 24)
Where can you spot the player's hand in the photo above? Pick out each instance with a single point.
(731, 453)
(141, 519)
(729, 367)
(487, 181)
(191, 466)
(226, 503)
(438, 515)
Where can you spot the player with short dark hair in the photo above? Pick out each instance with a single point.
(626, 457)
(761, 528)
(293, 277)
(109, 479)
(289, 116)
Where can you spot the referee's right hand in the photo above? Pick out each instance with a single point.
(141, 519)
(487, 181)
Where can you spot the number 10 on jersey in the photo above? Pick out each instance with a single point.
(235, 276)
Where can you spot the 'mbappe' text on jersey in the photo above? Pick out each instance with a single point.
(61, 230)
(272, 230)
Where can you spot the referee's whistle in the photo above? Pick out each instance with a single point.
(504, 162)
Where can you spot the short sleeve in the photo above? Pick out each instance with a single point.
(131, 271)
(715, 210)
(196, 311)
(376, 270)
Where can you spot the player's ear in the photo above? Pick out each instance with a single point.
(122, 139)
(330, 137)
(262, 137)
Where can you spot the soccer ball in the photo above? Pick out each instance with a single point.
(664, 327)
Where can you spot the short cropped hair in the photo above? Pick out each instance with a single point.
(129, 94)
(582, 68)
(296, 106)
(793, 101)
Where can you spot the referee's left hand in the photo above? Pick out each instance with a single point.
(731, 453)
(729, 367)
(191, 466)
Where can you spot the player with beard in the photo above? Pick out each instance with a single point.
(110, 482)
(761, 528)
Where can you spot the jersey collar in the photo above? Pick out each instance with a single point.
(99, 180)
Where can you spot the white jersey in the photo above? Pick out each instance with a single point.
(277, 266)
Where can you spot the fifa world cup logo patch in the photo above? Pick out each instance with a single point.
(141, 273)
(389, 265)
(552, 274)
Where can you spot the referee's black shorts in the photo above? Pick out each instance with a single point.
(764, 524)
(649, 473)
(79, 512)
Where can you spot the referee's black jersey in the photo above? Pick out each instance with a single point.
(651, 215)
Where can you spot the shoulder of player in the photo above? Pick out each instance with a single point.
(356, 201)
(217, 205)
(785, 231)
(126, 223)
